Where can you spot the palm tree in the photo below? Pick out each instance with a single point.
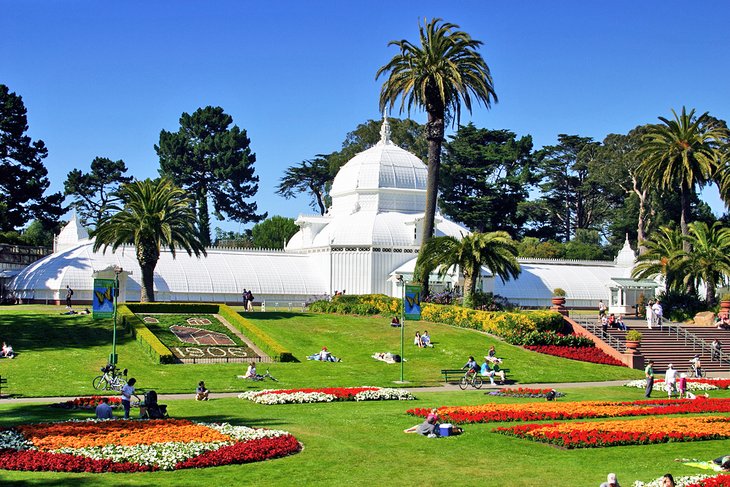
(155, 214)
(440, 75)
(495, 250)
(709, 261)
(683, 153)
(663, 257)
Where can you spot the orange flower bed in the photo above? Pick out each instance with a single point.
(624, 432)
(51, 436)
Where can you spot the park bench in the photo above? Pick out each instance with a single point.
(3, 380)
(457, 374)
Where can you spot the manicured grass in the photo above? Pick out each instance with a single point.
(162, 329)
(60, 355)
(345, 443)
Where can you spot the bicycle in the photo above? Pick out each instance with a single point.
(111, 380)
(694, 372)
(475, 381)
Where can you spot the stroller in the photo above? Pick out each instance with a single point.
(153, 410)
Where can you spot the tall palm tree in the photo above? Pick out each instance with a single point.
(154, 214)
(682, 153)
(440, 75)
(495, 250)
(663, 257)
(709, 261)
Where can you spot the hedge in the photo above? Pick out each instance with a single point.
(267, 344)
(149, 342)
(364, 304)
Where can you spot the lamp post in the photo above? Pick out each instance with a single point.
(402, 284)
(113, 357)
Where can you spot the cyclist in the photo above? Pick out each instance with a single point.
(472, 368)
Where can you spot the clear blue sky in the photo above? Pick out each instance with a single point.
(103, 78)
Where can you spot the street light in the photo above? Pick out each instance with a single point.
(113, 357)
(402, 284)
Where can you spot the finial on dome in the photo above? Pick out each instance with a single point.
(385, 130)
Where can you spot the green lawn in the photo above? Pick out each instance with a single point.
(344, 443)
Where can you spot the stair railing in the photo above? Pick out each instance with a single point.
(594, 326)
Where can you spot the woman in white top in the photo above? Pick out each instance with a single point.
(250, 371)
(649, 315)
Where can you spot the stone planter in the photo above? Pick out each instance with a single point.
(725, 309)
(558, 301)
(558, 305)
(632, 346)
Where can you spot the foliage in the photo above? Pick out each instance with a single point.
(154, 214)
(274, 232)
(495, 250)
(680, 305)
(634, 336)
(311, 176)
(709, 261)
(486, 302)
(680, 154)
(440, 75)
(484, 179)
(23, 177)
(212, 160)
(559, 292)
(550, 337)
(662, 257)
(231, 239)
(725, 297)
(532, 247)
(96, 191)
(362, 304)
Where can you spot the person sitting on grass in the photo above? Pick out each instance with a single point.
(395, 322)
(7, 351)
(324, 355)
(201, 393)
(104, 410)
(429, 427)
(426, 339)
(417, 340)
(250, 371)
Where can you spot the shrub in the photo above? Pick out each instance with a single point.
(149, 342)
(365, 305)
(634, 336)
(535, 338)
(680, 306)
(725, 297)
(559, 292)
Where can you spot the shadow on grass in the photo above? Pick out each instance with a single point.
(275, 315)
(46, 481)
(58, 331)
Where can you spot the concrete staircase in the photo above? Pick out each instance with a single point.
(665, 346)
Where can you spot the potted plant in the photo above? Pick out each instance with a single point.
(559, 296)
(633, 339)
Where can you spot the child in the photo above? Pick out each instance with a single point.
(682, 385)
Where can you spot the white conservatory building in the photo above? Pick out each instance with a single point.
(372, 232)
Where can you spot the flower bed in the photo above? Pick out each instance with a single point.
(89, 402)
(584, 354)
(137, 446)
(538, 411)
(692, 384)
(683, 481)
(524, 392)
(624, 432)
(718, 481)
(329, 394)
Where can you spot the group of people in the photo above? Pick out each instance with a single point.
(612, 481)
(324, 355)
(7, 351)
(613, 322)
(490, 368)
(674, 383)
(104, 410)
(248, 298)
(422, 340)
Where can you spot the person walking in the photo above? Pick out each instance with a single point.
(69, 293)
(649, 373)
(716, 348)
(658, 313)
(649, 315)
(670, 380)
(601, 309)
(127, 393)
(244, 296)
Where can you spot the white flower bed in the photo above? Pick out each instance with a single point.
(14, 440)
(270, 396)
(660, 385)
(678, 481)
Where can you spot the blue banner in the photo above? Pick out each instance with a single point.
(412, 304)
(103, 298)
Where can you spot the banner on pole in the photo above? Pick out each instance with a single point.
(412, 304)
(103, 298)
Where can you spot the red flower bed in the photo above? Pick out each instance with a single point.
(89, 402)
(539, 411)
(584, 354)
(719, 481)
(524, 392)
(338, 392)
(720, 383)
(35, 460)
(250, 451)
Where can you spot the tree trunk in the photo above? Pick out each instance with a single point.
(320, 199)
(641, 223)
(147, 256)
(435, 136)
(470, 284)
(710, 292)
(684, 225)
(204, 219)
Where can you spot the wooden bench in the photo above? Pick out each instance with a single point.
(3, 380)
(459, 373)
